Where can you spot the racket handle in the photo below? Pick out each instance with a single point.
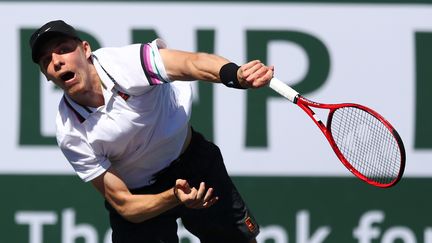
(283, 89)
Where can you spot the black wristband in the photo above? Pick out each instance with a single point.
(228, 75)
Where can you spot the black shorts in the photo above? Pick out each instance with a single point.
(228, 220)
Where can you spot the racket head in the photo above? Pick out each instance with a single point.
(367, 144)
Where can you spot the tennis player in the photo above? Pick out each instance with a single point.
(123, 125)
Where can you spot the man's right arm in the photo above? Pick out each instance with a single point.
(138, 208)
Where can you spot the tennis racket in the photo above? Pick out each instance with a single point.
(364, 141)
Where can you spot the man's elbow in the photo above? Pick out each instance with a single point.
(130, 214)
(133, 218)
(126, 209)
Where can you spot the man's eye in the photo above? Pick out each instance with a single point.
(63, 50)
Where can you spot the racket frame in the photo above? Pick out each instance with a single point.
(305, 105)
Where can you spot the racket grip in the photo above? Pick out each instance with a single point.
(283, 89)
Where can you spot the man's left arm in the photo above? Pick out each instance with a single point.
(181, 65)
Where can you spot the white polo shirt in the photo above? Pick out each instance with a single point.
(142, 126)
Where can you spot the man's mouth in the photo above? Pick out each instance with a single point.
(67, 76)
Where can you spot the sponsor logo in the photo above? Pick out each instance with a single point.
(251, 225)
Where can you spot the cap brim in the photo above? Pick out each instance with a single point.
(42, 39)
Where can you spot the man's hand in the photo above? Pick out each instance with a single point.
(193, 198)
(254, 74)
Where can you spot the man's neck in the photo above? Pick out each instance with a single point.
(93, 95)
(91, 99)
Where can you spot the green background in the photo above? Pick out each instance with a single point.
(335, 202)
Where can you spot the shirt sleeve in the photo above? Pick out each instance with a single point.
(152, 64)
(134, 68)
(86, 163)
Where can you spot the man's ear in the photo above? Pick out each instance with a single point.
(87, 49)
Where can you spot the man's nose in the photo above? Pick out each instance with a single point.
(57, 61)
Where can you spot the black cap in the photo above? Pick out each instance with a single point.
(48, 31)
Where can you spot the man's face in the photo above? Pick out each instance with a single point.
(65, 61)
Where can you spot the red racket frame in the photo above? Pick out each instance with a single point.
(305, 104)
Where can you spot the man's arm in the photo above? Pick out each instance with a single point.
(138, 208)
(181, 65)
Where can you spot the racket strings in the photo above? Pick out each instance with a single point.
(367, 144)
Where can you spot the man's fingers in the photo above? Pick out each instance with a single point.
(201, 197)
(250, 68)
(208, 195)
(256, 71)
(183, 186)
(201, 191)
(255, 74)
(210, 202)
(264, 79)
(250, 64)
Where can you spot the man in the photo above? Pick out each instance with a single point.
(123, 125)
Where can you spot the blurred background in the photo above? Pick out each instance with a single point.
(376, 53)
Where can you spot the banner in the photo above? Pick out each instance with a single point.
(62, 209)
(376, 55)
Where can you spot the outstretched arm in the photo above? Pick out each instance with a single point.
(181, 65)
